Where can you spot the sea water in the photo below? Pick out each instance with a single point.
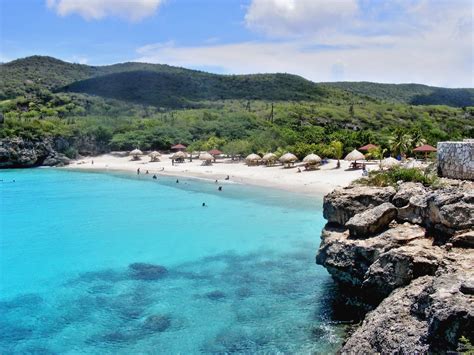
(237, 276)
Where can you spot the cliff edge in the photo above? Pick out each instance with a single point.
(403, 256)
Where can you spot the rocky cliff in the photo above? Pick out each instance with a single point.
(23, 153)
(405, 256)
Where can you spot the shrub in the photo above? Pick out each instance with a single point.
(393, 175)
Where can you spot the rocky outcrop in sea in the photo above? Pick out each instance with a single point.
(22, 153)
(404, 258)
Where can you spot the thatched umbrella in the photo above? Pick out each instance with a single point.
(269, 158)
(252, 159)
(389, 162)
(312, 159)
(207, 158)
(425, 148)
(354, 156)
(154, 156)
(136, 153)
(179, 156)
(288, 159)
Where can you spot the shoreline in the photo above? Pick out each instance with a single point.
(315, 183)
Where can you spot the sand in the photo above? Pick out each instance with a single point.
(317, 182)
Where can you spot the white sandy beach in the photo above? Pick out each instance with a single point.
(315, 182)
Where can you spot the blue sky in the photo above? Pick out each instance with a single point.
(425, 41)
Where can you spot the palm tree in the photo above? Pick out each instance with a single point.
(401, 142)
(337, 149)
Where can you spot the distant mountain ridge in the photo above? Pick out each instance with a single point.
(168, 86)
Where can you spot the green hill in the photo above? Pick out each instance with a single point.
(174, 87)
(415, 94)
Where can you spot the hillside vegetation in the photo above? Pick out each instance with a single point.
(415, 94)
(89, 110)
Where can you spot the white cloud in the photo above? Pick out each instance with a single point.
(297, 17)
(396, 41)
(437, 59)
(133, 10)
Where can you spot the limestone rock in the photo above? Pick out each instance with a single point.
(416, 277)
(463, 240)
(406, 191)
(372, 220)
(342, 204)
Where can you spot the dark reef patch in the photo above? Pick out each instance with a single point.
(145, 271)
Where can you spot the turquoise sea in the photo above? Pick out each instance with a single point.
(100, 263)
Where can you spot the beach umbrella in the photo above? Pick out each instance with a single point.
(215, 152)
(206, 156)
(312, 159)
(367, 147)
(252, 159)
(425, 148)
(136, 152)
(178, 155)
(288, 158)
(389, 162)
(354, 156)
(154, 156)
(179, 147)
(269, 157)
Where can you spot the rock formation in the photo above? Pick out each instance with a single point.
(405, 255)
(20, 153)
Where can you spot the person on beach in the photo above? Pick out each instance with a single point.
(146, 172)
(228, 177)
(299, 170)
(154, 177)
(215, 182)
(138, 171)
(92, 162)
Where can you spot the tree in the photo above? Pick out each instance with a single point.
(401, 142)
(337, 149)
(237, 147)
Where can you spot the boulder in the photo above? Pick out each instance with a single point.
(372, 220)
(406, 191)
(415, 278)
(342, 204)
(348, 260)
(463, 240)
(429, 315)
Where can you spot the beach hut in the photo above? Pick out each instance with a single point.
(288, 159)
(252, 159)
(354, 156)
(206, 158)
(312, 161)
(269, 159)
(389, 163)
(367, 147)
(136, 154)
(178, 147)
(178, 157)
(426, 149)
(154, 156)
